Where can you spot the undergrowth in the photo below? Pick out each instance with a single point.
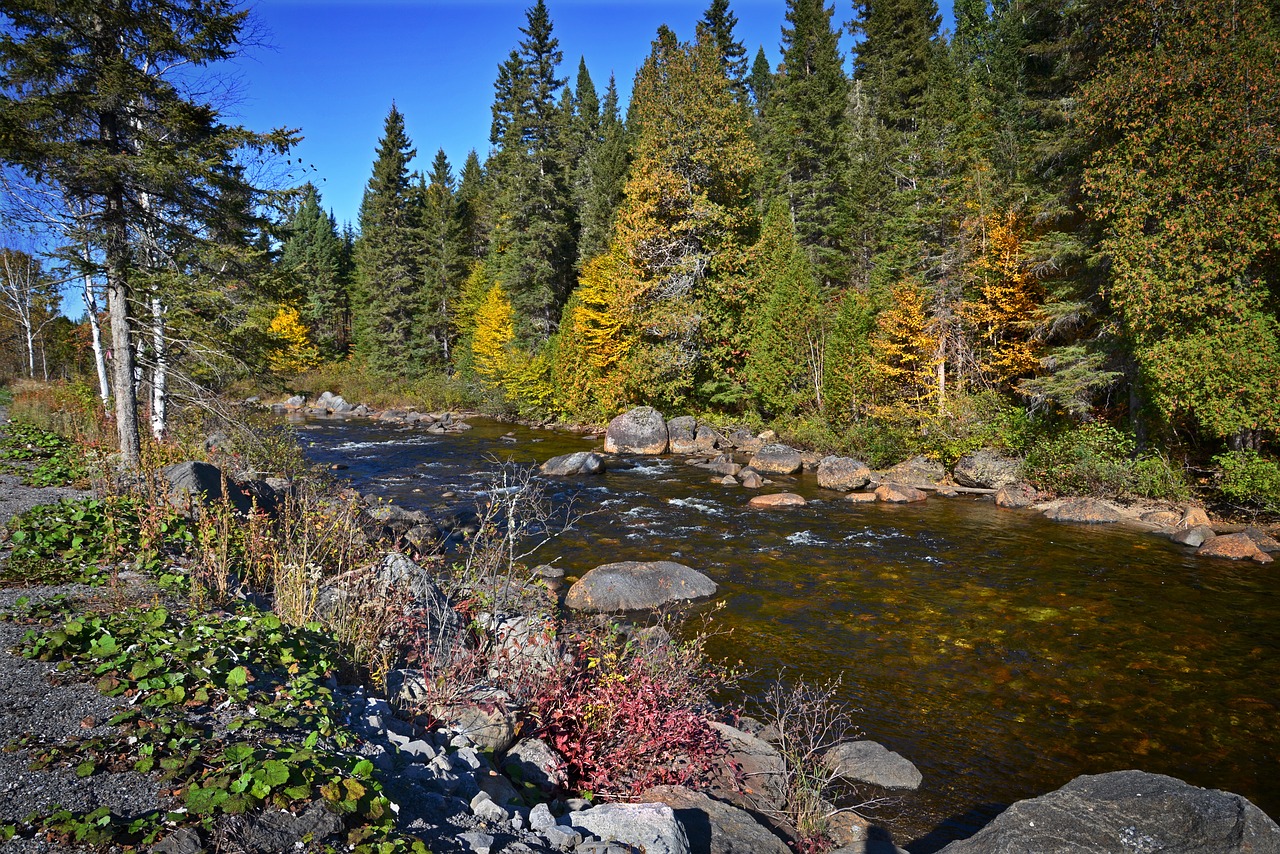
(52, 460)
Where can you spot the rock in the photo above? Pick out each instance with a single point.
(728, 480)
(484, 719)
(567, 465)
(637, 585)
(745, 441)
(777, 459)
(296, 402)
(751, 478)
(682, 434)
(486, 810)
(1234, 547)
(640, 431)
(184, 840)
(777, 499)
(1127, 811)
(540, 818)
(986, 469)
(899, 493)
(1194, 516)
(1162, 518)
(1087, 511)
(724, 464)
(917, 471)
(280, 831)
(714, 827)
(498, 788)
(767, 436)
(707, 439)
(1016, 496)
(394, 522)
(197, 484)
(523, 644)
(651, 828)
(1194, 537)
(755, 774)
(861, 497)
(477, 842)
(842, 473)
(533, 761)
(870, 762)
(1264, 541)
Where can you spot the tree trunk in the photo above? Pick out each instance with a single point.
(123, 364)
(95, 330)
(160, 372)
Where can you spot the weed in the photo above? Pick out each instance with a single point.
(54, 460)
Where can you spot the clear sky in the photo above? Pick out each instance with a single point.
(332, 68)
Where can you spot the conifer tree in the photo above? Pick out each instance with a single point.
(473, 207)
(389, 279)
(760, 82)
(606, 170)
(315, 258)
(894, 57)
(720, 21)
(807, 137)
(443, 259)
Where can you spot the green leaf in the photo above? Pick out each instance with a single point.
(86, 768)
(238, 677)
(273, 772)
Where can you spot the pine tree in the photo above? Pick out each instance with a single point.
(808, 137)
(443, 258)
(314, 257)
(720, 21)
(606, 171)
(389, 279)
(894, 57)
(473, 207)
(532, 229)
(761, 80)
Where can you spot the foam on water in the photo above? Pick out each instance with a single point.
(695, 504)
(805, 538)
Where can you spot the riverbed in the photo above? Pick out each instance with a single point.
(1002, 653)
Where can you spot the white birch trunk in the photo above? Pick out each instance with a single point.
(95, 331)
(160, 372)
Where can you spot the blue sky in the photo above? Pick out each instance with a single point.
(332, 69)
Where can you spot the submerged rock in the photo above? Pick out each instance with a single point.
(631, 585)
(639, 431)
(871, 762)
(1194, 537)
(899, 493)
(1127, 811)
(777, 499)
(568, 465)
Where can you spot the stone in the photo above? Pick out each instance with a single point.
(1194, 516)
(1016, 496)
(1234, 547)
(479, 843)
(899, 493)
(777, 499)
(871, 762)
(184, 840)
(520, 643)
(861, 497)
(498, 788)
(682, 434)
(707, 439)
(1162, 518)
(1194, 537)
(652, 828)
(631, 585)
(754, 775)
(1127, 811)
(728, 480)
(1264, 541)
(714, 827)
(917, 471)
(561, 838)
(567, 465)
(640, 431)
(197, 484)
(843, 474)
(488, 725)
(280, 831)
(1085, 511)
(745, 441)
(986, 469)
(540, 818)
(722, 465)
(777, 459)
(533, 761)
(296, 402)
(750, 478)
(486, 810)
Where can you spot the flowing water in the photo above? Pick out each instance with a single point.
(1002, 653)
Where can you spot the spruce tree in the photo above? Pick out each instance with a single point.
(807, 137)
(313, 256)
(606, 170)
(474, 207)
(899, 41)
(720, 21)
(761, 80)
(443, 258)
(389, 312)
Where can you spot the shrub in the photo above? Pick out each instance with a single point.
(1249, 480)
(1093, 459)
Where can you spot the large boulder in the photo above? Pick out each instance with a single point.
(1127, 811)
(776, 499)
(1262, 539)
(986, 469)
(707, 439)
(1194, 537)
(871, 762)
(755, 774)
(567, 465)
(1016, 496)
(1085, 511)
(777, 459)
(536, 763)
(196, 484)
(844, 474)
(631, 585)
(1234, 547)
(682, 433)
(651, 828)
(639, 431)
(917, 471)
(714, 827)
(899, 493)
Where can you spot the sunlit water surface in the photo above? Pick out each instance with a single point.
(1002, 653)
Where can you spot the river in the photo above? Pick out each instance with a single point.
(1002, 653)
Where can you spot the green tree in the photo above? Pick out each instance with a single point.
(760, 82)
(605, 166)
(388, 274)
(316, 259)
(720, 21)
(443, 257)
(91, 104)
(474, 207)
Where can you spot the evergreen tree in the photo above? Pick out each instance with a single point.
(606, 170)
(807, 137)
(533, 227)
(314, 257)
(895, 56)
(720, 21)
(443, 258)
(473, 208)
(389, 330)
(761, 80)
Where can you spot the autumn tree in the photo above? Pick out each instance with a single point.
(1004, 307)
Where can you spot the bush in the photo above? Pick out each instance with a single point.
(1249, 480)
(1097, 459)
(360, 384)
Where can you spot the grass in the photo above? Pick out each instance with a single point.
(359, 384)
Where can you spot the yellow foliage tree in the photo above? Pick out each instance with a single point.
(594, 341)
(293, 352)
(492, 337)
(904, 347)
(1007, 299)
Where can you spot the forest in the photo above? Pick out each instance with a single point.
(1054, 230)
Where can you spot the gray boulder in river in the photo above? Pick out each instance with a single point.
(777, 459)
(986, 469)
(640, 431)
(1127, 811)
(871, 762)
(567, 465)
(842, 473)
(631, 585)
(682, 433)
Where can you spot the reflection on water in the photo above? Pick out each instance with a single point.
(1002, 653)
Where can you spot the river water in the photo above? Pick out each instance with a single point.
(1002, 653)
